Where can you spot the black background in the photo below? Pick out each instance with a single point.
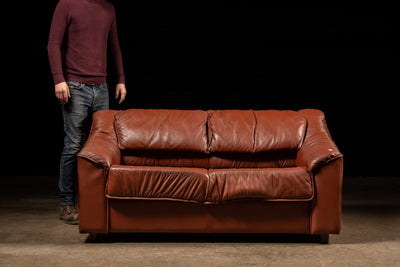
(217, 55)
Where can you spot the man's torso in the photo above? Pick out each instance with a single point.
(86, 39)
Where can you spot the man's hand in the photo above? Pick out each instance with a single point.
(62, 92)
(120, 91)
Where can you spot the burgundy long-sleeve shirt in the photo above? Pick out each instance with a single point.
(84, 29)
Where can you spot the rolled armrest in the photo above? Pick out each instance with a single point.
(101, 151)
(318, 147)
(102, 146)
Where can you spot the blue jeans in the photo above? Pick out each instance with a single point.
(77, 114)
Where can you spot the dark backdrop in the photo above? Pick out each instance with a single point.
(218, 55)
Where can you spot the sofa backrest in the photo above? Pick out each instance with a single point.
(162, 130)
(249, 131)
(209, 139)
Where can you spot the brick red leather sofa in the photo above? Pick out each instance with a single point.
(216, 171)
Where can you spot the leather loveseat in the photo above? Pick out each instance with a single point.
(216, 171)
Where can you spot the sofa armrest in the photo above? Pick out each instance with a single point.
(318, 147)
(102, 146)
(100, 152)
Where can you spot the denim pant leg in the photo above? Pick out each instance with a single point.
(100, 101)
(101, 98)
(75, 114)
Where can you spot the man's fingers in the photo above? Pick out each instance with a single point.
(121, 99)
(123, 95)
(65, 97)
(60, 97)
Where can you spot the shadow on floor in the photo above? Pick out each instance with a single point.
(201, 238)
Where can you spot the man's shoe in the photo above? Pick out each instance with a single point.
(69, 214)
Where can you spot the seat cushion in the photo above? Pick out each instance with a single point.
(209, 186)
(255, 131)
(270, 184)
(157, 183)
(162, 129)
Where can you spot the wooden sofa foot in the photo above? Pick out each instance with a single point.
(324, 239)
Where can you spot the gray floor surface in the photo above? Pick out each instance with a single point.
(32, 235)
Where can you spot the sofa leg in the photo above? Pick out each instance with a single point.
(96, 238)
(324, 239)
(92, 238)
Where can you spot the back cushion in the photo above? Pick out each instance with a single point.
(255, 131)
(159, 129)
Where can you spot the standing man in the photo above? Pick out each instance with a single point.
(81, 31)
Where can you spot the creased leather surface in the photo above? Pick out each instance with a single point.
(157, 183)
(271, 183)
(148, 129)
(102, 147)
(231, 131)
(164, 158)
(278, 130)
(273, 159)
(318, 147)
(215, 185)
(255, 131)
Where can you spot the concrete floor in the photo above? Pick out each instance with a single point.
(32, 235)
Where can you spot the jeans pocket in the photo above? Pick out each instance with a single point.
(75, 85)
